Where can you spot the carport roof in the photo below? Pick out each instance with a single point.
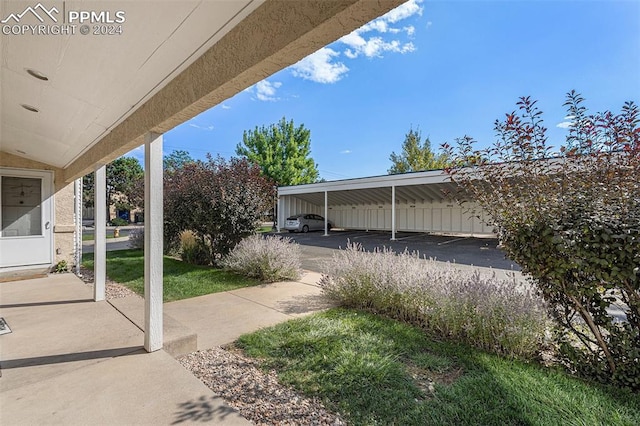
(433, 185)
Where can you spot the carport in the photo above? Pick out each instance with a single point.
(409, 202)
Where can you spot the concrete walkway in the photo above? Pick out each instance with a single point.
(72, 361)
(221, 318)
(69, 360)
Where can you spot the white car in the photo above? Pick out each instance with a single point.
(306, 222)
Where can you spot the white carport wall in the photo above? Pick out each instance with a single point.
(410, 202)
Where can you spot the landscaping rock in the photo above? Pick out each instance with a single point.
(257, 395)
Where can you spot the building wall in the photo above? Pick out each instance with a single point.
(438, 217)
(64, 225)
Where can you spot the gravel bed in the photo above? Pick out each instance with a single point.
(257, 395)
(113, 290)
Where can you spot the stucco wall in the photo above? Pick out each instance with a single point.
(64, 225)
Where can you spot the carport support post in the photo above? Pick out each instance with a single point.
(153, 241)
(100, 234)
(326, 208)
(280, 211)
(393, 213)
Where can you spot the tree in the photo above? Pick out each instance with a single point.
(177, 159)
(282, 151)
(124, 179)
(571, 219)
(416, 156)
(219, 201)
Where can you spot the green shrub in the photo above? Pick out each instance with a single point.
(499, 316)
(194, 250)
(269, 259)
(118, 221)
(62, 267)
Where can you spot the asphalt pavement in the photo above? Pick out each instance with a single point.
(482, 252)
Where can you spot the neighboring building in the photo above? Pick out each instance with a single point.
(414, 202)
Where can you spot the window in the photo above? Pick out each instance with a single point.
(21, 206)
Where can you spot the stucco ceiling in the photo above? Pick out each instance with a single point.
(173, 60)
(96, 81)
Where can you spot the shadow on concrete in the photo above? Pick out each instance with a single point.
(203, 409)
(57, 302)
(305, 304)
(69, 357)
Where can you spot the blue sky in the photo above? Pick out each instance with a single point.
(450, 68)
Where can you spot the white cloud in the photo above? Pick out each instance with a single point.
(323, 65)
(319, 67)
(373, 46)
(404, 11)
(429, 24)
(197, 126)
(225, 106)
(565, 124)
(266, 90)
(346, 151)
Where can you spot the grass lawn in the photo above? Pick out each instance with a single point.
(264, 229)
(90, 237)
(377, 371)
(181, 280)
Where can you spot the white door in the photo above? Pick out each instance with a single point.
(26, 221)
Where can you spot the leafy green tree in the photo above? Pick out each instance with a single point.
(282, 151)
(177, 159)
(125, 178)
(416, 155)
(219, 201)
(571, 218)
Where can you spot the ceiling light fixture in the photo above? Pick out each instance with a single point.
(29, 108)
(37, 74)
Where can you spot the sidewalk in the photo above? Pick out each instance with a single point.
(70, 360)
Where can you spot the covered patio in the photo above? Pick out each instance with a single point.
(76, 96)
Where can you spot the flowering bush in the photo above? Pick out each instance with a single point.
(501, 316)
(269, 259)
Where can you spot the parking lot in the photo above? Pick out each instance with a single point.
(461, 250)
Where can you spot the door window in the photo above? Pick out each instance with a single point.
(21, 206)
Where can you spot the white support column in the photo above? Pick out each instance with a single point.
(100, 233)
(280, 212)
(393, 213)
(326, 215)
(77, 240)
(153, 242)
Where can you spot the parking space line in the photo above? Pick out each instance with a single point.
(411, 236)
(451, 241)
(368, 235)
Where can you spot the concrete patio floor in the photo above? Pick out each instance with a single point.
(69, 360)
